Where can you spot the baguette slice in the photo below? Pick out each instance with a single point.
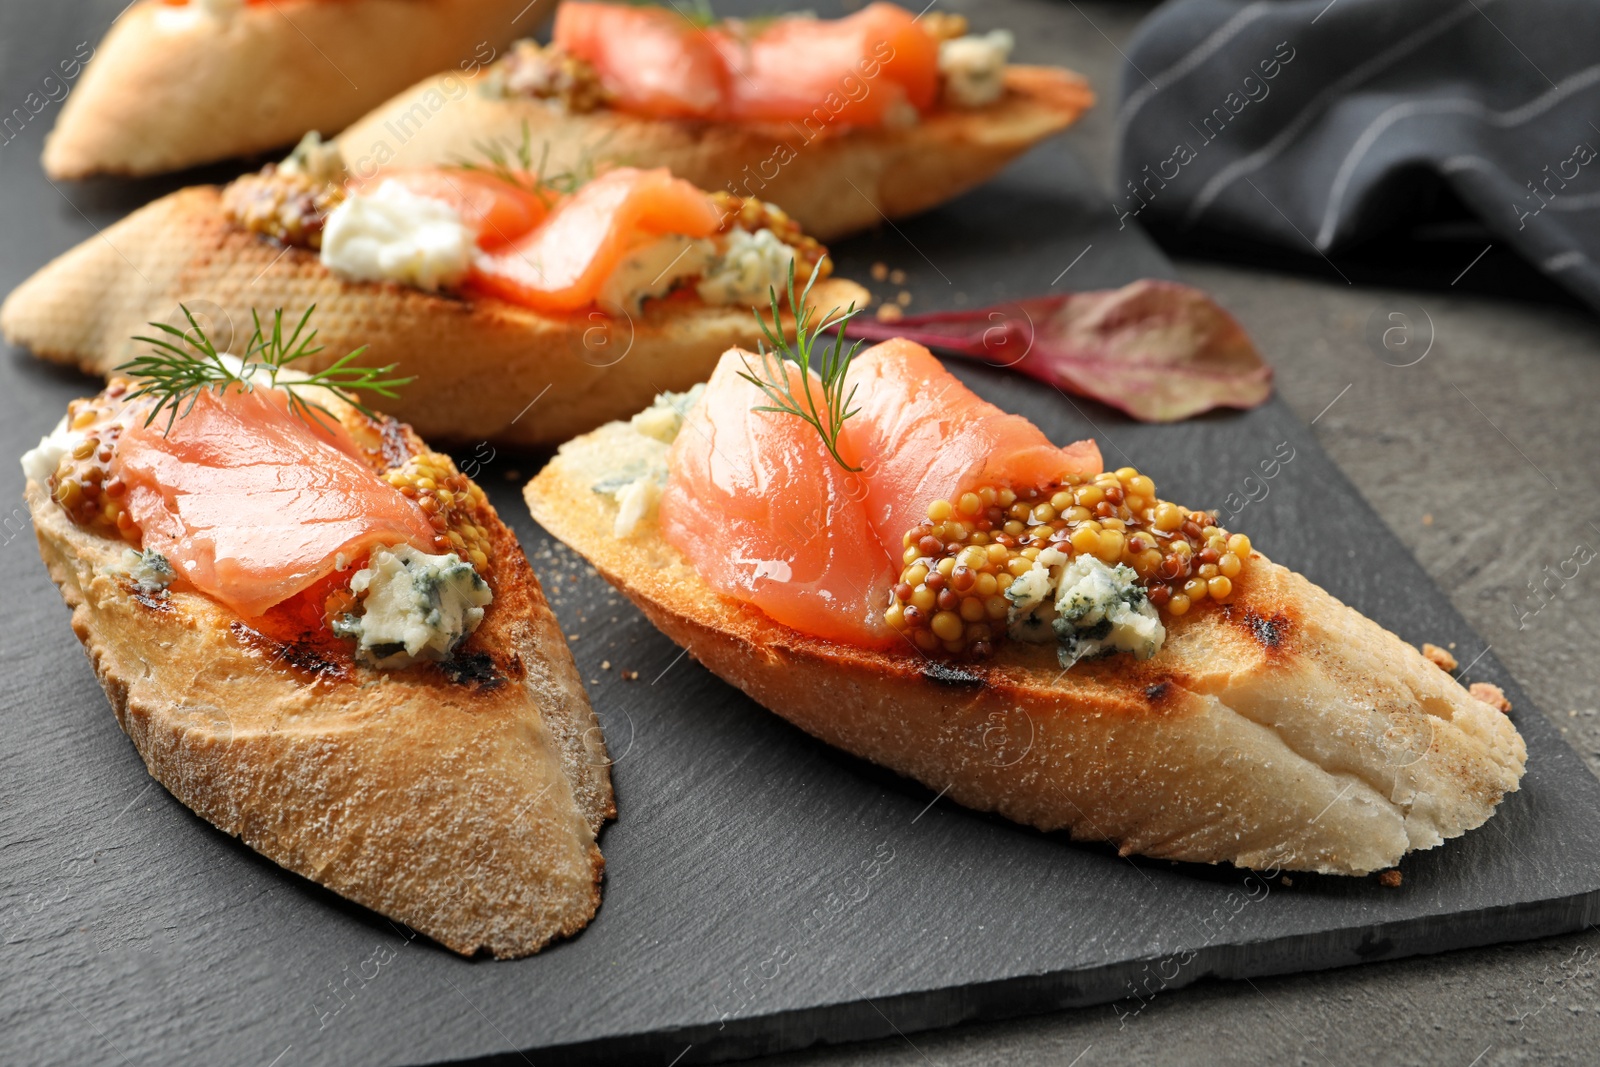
(832, 184)
(484, 368)
(462, 802)
(172, 87)
(1285, 730)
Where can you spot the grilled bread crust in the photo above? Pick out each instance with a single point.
(832, 182)
(463, 802)
(159, 97)
(1284, 729)
(484, 368)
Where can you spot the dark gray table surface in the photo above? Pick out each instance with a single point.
(1442, 450)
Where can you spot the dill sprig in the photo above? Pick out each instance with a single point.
(513, 163)
(832, 363)
(186, 363)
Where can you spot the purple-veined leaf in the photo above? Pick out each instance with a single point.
(1157, 350)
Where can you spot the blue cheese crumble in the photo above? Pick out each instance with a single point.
(749, 266)
(739, 267)
(974, 67)
(149, 571)
(413, 607)
(1088, 608)
(636, 453)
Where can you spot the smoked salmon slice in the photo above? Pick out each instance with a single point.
(562, 265)
(855, 71)
(765, 514)
(251, 504)
(652, 60)
(500, 211)
(659, 64)
(924, 436)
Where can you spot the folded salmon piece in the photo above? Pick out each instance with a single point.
(251, 504)
(767, 515)
(657, 63)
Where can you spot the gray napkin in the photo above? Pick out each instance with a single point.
(1316, 127)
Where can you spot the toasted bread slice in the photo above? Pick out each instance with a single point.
(1281, 730)
(484, 368)
(832, 183)
(463, 799)
(172, 87)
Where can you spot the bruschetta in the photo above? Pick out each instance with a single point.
(528, 306)
(178, 83)
(321, 638)
(841, 122)
(932, 585)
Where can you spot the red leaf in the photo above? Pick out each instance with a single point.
(1157, 350)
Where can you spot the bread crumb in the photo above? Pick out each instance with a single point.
(513, 475)
(1390, 878)
(605, 665)
(1439, 657)
(1427, 519)
(903, 298)
(1286, 881)
(880, 271)
(630, 676)
(573, 637)
(890, 313)
(1491, 695)
(897, 277)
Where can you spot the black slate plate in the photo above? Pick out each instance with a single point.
(763, 892)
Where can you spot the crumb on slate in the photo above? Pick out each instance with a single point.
(1491, 695)
(897, 277)
(889, 313)
(1440, 658)
(630, 676)
(880, 271)
(1390, 878)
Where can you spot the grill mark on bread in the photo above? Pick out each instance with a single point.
(1271, 632)
(396, 442)
(475, 669)
(302, 656)
(948, 674)
(153, 603)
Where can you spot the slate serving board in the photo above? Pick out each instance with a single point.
(763, 892)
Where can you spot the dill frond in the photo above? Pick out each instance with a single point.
(514, 164)
(829, 365)
(185, 363)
